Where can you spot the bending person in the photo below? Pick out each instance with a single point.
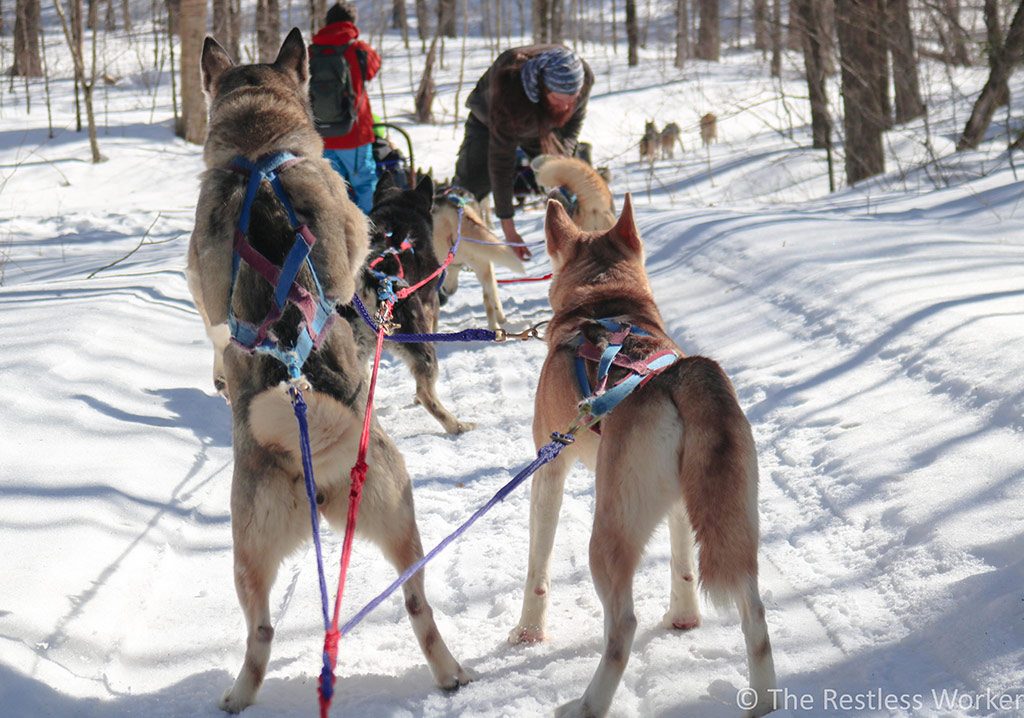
(532, 97)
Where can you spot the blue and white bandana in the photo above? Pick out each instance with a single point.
(560, 68)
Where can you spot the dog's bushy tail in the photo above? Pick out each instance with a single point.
(718, 472)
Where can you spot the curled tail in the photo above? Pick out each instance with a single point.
(594, 199)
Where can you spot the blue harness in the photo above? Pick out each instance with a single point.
(600, 401)
(317, 311)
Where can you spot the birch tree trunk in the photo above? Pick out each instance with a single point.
(192, 22)
(682, 33)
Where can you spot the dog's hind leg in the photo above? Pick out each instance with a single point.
(719, 481)
(626, 513)
(264, 531)
(422, 362)
(388, 519)
(684, 606)
(492, 302)
(760, 662)
(545, 504)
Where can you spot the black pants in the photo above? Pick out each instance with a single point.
(471, 168)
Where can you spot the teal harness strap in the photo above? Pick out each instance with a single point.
(317, 310)
(601, 401)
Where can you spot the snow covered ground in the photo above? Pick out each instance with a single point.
(874, 337)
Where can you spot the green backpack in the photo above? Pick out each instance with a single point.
(331, 90)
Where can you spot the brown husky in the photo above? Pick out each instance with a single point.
(480, 249)
(594, 209)
(680, 447)
(257, 110)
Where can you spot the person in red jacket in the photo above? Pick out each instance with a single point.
(351, 155)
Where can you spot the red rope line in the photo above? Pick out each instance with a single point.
(525, 279)
(355, 495)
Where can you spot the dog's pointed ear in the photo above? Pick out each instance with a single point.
(292, 56)
(214, 62)
(425, 188)
(559, 228)
(384, 184)
(625, 229)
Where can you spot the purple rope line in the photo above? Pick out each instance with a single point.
(536, 243)
(307, 470)
(545, 454)
(466, 335)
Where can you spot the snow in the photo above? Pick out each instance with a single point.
(874, 338)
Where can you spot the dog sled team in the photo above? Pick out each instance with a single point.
(678, 448)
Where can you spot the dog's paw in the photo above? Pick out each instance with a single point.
(680, 621)
(232, 702)
(526, 634)
(461, 427)
(460, 678)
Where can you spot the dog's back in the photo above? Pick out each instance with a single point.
(593, 209)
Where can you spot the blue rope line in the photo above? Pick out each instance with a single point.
(466, 335)
(545, 454)
(299, 405)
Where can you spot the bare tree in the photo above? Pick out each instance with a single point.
(953, 35)
(268, 30)
(860, 49)
(317, 15)
(227, 26)
(632, 34)
(776, 63)
(193, 105)
(422, 22)
(762, 29)
(881, 64)
(86, 79)
(682, 33)
(400, 20)
(993, 46)
(27, 62)
(987, 102)
(557, 24)
(541, 16)
(446, 18)
(424, 99)
(814, 63)
(904, 62)
(794, 27)
(709, 37)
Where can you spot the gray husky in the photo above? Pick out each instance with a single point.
(255, 111)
